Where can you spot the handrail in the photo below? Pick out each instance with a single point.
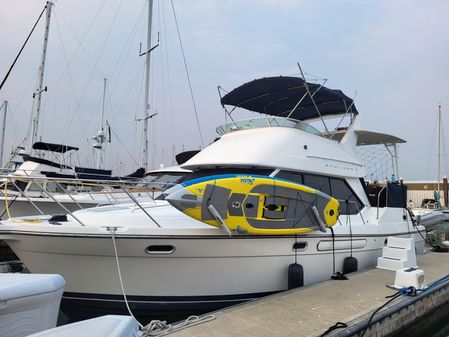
(62, 206)
(25, 196)
(115, 192)
(70, 196)
(140, 206)
(378, 201)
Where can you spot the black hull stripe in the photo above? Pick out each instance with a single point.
(163, 299)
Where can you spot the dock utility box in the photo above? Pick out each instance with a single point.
(29, 303)
(104, 326)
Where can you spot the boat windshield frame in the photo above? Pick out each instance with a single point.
(268, 121)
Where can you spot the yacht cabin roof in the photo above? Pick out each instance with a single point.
(278, 96)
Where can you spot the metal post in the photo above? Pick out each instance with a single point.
(2, 141)
(445, 191)
(60, 204)
(396, 169)
(38, 93)
(439, 148)
(26, 197)
(139, 205)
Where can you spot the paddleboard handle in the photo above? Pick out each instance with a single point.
(318, 219)
(217, 217)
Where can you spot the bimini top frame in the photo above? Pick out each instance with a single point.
(291, 97)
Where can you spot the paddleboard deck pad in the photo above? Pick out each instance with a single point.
(255, 204)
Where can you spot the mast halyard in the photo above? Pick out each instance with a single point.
(38, 93)
(146, 113)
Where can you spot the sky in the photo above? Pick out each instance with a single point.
(390, 55)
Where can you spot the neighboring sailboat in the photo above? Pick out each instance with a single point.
(22, 196)
(431, 207)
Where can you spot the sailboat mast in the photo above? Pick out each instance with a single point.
(2, 141)
(439, 146)
(100, 138)
(146, 114)
(37, 94)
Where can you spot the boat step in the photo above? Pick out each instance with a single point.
(397, 254)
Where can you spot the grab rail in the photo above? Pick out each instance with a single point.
(378, 201)
(113, 191)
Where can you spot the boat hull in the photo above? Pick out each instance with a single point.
(202, 273)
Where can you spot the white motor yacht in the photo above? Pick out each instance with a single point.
(171, 262)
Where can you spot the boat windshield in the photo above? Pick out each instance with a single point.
(162, 180)
(262, 122)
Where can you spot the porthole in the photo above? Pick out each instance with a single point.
(299, 245)
(160, 249)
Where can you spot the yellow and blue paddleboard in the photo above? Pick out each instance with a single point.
(255, 204)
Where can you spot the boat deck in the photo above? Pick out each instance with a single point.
(311, 310)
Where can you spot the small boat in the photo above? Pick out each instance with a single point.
(104, 326)
(29, 303)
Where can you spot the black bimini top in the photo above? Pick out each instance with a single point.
(277, 96)
(53, 147)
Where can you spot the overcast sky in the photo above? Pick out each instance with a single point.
(393, 53)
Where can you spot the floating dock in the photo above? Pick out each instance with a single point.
(311, 310)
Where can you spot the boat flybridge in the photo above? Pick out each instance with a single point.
(171, 262)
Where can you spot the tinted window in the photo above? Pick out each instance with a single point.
(292, 176)
(337, 188)
(164, 181)
(226, 170)
(317, 182)
(342, 192)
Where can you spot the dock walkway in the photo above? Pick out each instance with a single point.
(311, 310)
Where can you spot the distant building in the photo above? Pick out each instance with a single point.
(424, 190)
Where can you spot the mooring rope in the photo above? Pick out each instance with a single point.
(155, 327)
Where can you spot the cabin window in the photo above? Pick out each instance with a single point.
(56, 188)
(164, 181)
(33, 187)
(341, 191)
(292, 176)
(335, 187)
(317, 182)
(226, 170)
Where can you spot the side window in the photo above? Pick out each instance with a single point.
(342, 192)
(34, 188)
(292, 176)
(335, 187)
(317, 182)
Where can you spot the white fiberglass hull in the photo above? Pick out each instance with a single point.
(200, 269)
